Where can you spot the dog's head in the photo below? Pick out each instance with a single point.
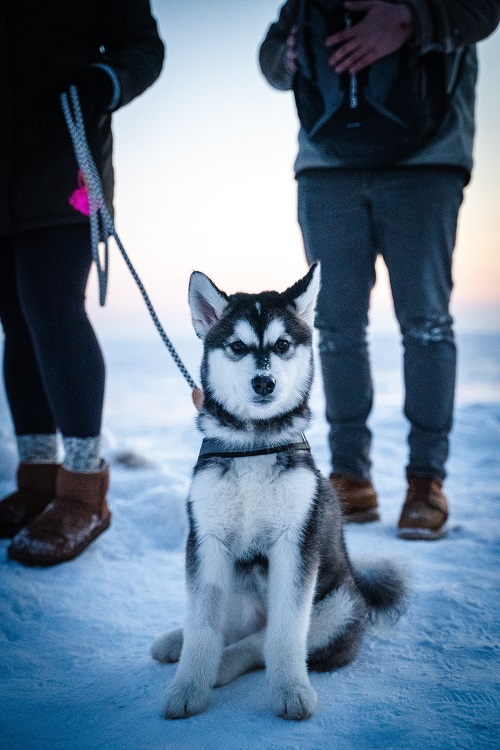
(257, 361)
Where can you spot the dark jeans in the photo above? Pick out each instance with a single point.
(53, 365)
(409, 217)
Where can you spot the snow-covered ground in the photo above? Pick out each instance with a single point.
(75, 670)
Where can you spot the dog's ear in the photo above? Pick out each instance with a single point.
(303, 294)
(207, 303)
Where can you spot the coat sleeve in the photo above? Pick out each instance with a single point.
(273, 49)
(133, 48)
(453, 23)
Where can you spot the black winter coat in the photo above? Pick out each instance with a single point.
(44, 46)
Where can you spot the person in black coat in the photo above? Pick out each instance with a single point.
(53, 366)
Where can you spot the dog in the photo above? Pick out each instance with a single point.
(269, 580)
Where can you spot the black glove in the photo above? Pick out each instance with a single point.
(95, 91)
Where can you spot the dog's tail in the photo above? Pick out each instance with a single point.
(384, 587)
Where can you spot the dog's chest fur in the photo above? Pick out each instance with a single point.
(249, 502)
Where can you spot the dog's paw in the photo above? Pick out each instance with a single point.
(294, 701)
(167, 648)
(184, 699)
(241, 657)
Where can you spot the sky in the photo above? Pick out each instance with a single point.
(204, 178)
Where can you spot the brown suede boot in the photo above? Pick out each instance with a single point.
(77, 515)
(36, 486)
(357, 498)
(425, 510)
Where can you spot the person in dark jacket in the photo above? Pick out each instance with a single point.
(53, 366)
(407, 212)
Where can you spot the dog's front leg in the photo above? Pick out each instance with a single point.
(291, 589)
(208, 578)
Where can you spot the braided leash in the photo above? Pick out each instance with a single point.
(101, 222)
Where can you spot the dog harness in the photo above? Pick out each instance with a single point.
(214, 447)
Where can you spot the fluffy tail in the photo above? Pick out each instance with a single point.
(383, 586)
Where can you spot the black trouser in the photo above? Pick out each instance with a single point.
(53, 365)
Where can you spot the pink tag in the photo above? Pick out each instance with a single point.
(80, 198)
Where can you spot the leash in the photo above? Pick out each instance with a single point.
(102, 225)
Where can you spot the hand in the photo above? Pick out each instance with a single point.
(291, 51)
(95, 90)
(385, 28)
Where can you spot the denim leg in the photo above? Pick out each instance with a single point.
(417, 214)
(334, 216)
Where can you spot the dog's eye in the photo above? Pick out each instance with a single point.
(282, 346)
(238, 347)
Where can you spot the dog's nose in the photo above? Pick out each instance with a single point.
(263, 384)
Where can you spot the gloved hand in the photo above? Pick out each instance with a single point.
(95, 91)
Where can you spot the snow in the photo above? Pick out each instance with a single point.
(75, 669)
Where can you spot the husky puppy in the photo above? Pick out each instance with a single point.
(268, 577)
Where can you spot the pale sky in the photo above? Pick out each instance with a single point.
(204, 178)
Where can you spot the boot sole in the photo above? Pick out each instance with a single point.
(423, 534)
(362, 516)
(45, 562)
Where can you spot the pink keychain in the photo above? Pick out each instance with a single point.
(80, 198)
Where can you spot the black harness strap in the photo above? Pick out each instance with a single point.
(213, 447)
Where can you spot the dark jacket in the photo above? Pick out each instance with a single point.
(44, 46)
(450, 26)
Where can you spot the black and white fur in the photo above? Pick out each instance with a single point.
(269, 580)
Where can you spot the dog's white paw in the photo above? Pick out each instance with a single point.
(167, 648)
(184, 699)
(294, 701)
(241, 657)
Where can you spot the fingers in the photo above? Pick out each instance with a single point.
(341, 37)
(354, 59)
(291, 39)
(359, 5)
(353, 48)
(385, 28)
(353, 53)
(291, 50)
